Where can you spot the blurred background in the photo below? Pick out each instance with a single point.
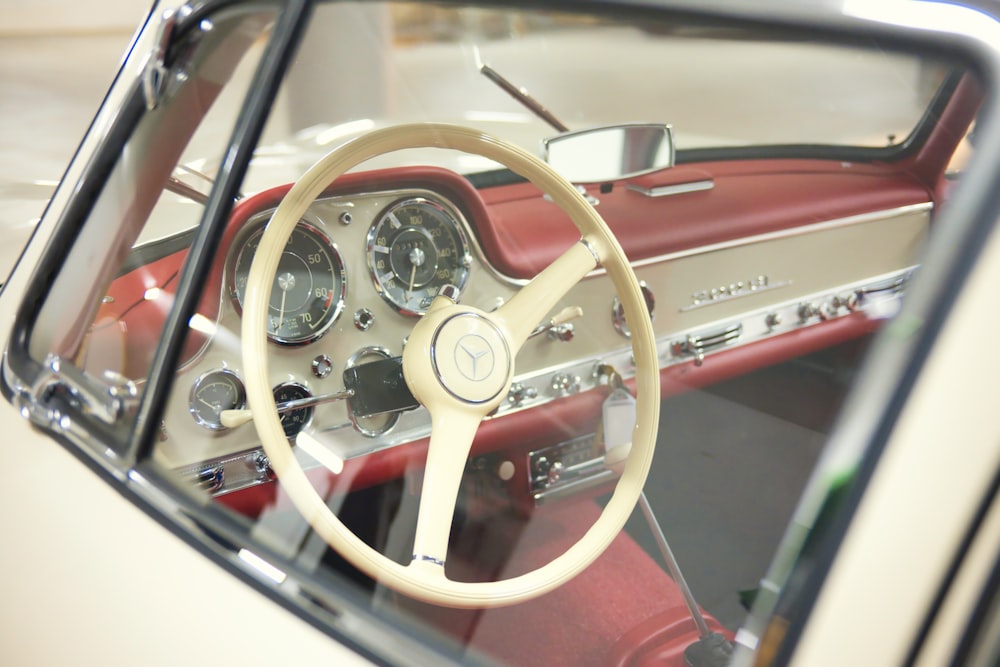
(58, 57)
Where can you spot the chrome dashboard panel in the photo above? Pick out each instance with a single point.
(708, 299)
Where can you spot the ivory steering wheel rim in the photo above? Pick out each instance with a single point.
(424, 577)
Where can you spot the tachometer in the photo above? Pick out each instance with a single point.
(308, 291)
(414, 248)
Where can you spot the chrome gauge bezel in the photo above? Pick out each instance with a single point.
(253, 229)
(200, 382)
(618, 311)
(456, 225)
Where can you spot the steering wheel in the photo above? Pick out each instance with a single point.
(458, 363)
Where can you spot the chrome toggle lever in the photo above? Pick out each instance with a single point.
(234, 418)
(558, 328)
(698, 345)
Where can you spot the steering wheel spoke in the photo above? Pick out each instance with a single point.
(452, 432)
(533, 302)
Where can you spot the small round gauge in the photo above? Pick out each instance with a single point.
(293, 421)
(309, 286)
(214, 392)
(414, 248)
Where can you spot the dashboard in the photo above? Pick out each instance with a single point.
(734, 279)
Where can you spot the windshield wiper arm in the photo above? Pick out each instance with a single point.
(522, 96)
(179, 187)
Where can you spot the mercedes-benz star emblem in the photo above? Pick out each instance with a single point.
(474, 357)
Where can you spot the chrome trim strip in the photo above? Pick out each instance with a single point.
(739, 295)
(428, 559)
(592, 250)
(670, 190)
(836, 223)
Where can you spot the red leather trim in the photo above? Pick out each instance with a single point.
(927, 165)
(128, 326)
(251, 501)
(443, 181)
(564, 626)
(660, 640)
(527, 232)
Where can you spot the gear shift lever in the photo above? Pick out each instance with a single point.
(711, 649)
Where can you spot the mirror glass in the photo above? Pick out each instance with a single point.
(608, 153)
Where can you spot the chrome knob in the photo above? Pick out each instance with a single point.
(565, 384)
(852, 301)
(211, 479)
(808, 310)
(364, 319)
(541, 465)
(554, 473)
(263, 466)
(562, 332)
(322, 366)
(519, 394)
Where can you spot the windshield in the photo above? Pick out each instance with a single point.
(762, 90)
(397, 63)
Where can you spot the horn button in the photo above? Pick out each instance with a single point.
(471, 358)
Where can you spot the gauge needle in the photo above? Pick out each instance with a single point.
(413, 276)
(417, 258)
(286, 282)
(281, 311)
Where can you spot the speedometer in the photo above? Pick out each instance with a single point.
(308, 291)
(417, 246)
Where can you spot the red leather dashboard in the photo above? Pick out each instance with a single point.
(526, 232)
(521, 232)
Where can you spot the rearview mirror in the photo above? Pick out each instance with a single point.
(608, 153)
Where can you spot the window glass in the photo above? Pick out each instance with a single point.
(106, 311)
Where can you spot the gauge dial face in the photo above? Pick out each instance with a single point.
(308, 291)
(414, 248)
(293, 421)
(214, 392)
